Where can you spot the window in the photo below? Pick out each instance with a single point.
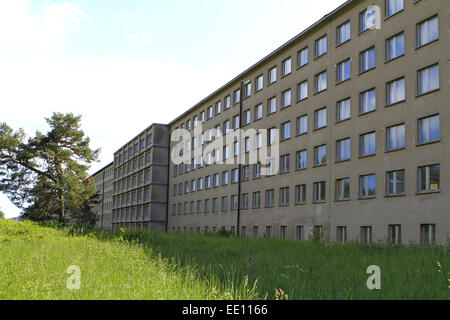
(273, 75)
(258, 140)
(245, 173)
(321, 46)
(396, 137)
(210, 113)
(235, 176)
(301, 160)
(224, 203)
(300, 194)
(258, 112)
(283, 232)
(366, 20)
(284, 197)
(247, 89)
(302, 90)
(216, 180)
(427, 31)
(395, 91)
(395, 234)
(256, 200)
(236, 122)
(285, 163)
(247, 145)
(259, 83)
(343, 71)
(318, 231)
(202, 116)
(218, 107)
(395, 183)
(343, 189)
(395, 47)
(236, 149)
(321, 82)
(193, 185)
(367, 186)
(343, 110)
(286, 131)
(257, 171)
(225, 178)
(207, 205)
(366, 235)
(320, 155)
(208, 182)
(244, 201)
(319, 191)
(343, 33)
(368, 144)
(429, 179)
(237, 96)
(367, 60)
(320, 118)
(255, 232)
(341, 235)
(368, 101)
(186, 187)
(343, 150)
(428, 79)
(247, 118)
(286, 99)
(302, 125)
(271, 136)
(302, 57)
(286, 67)
(234, 202)
(227, 103)
(272, 105)
(428, 234)
(299, 235)
(393, 7)
(429, 129)
(269, 198)
(268, 233)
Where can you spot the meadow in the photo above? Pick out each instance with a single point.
(146, 265)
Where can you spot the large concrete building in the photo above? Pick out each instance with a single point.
(104, 180)
(361, 102)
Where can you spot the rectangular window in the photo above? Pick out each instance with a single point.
(236, 122)
(395, 91)
(287, 67)
(428, 79)
(224, 203)
(395, 183)
(247, 89)
(320, 120)
(343, 110)
(428, 234)
(367, 60)
(235, 176)
(300, 233)
(227, 103)
(321, 82)
(343, 189)
(258, 112)
(259, 83)
(395, 234)
(343, 33)
(245, 173)
(269, 198)
(283, 232)
(320, 155)
(321, 46)
(367, 186)
(302, 57)
(256, 200)
(319, 191)
(272, 105)
(429, 129)
(244, 201)
(237, 96)
(286, 99)
(210, 113)
(366, 235)
(343, 71)
(257, 171)
(343, 150)
(284, 197)
(393, 7)
(300, 194)
(216, 180)
(207, 205)
(202, 116)
(247, 117)
(285, 131)
(429, 179)
(367, 19)
(234, 202)
(368, 144)
(271, 136)
(341, 235)
(225, 178)
(272, 75)
(302, 125)
(301, 160)
(368, 101)
(247, 145)
(395, 46)
(427, 31)
(396, 137)
(302, 91)
(285, 163)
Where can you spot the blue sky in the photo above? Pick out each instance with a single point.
(94, 57)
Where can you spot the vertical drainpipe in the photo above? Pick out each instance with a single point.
(239, 159)
(168, 179)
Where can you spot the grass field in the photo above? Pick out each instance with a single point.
(145, 265)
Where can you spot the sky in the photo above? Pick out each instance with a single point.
(97, 57)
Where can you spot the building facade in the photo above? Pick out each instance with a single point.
(360, 101)
(103, 180)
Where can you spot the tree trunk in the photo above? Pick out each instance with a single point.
(62, 214)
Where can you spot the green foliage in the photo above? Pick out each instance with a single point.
(2, 215)
(48, 171)
(150, 265)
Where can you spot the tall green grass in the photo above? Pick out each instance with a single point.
(147, 265)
